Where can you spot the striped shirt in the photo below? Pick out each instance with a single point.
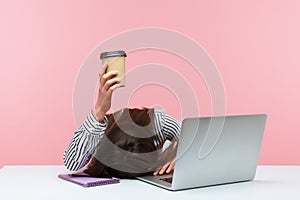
(87, 136)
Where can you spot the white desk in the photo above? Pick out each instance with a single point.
(41, 182)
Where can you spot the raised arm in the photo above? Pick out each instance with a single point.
(88, 135)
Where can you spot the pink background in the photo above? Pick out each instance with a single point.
(255, 45)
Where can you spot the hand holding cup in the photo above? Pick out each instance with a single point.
(108, 82)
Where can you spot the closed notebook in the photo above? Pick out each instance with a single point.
(88, 181)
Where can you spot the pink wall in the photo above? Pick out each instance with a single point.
(255, 45)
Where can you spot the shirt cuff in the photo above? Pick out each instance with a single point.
(95, 120)
(93, 125)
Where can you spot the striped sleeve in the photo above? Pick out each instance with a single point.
(171, 128)
(167, 126)
(83, 143)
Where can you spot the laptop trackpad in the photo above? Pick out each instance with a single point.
(167, 179)
(159, 180)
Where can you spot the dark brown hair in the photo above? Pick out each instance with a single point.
(129, 147)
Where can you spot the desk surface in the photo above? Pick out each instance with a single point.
(41, 182)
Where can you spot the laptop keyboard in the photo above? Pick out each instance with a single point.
(169, 179)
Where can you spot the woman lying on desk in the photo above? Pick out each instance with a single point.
(124, 144)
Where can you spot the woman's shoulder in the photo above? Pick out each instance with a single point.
(158, 112)
(162, 116)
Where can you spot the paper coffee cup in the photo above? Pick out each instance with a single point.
(116, 62)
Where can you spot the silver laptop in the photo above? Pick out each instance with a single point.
(213, 151)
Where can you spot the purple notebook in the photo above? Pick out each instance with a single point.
(88, 181)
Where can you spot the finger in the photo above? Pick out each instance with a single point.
(109, 75)
(171, 166)
(156, 172)
(110, 83)
(104, 68)
(163, 169)
(114, 87)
